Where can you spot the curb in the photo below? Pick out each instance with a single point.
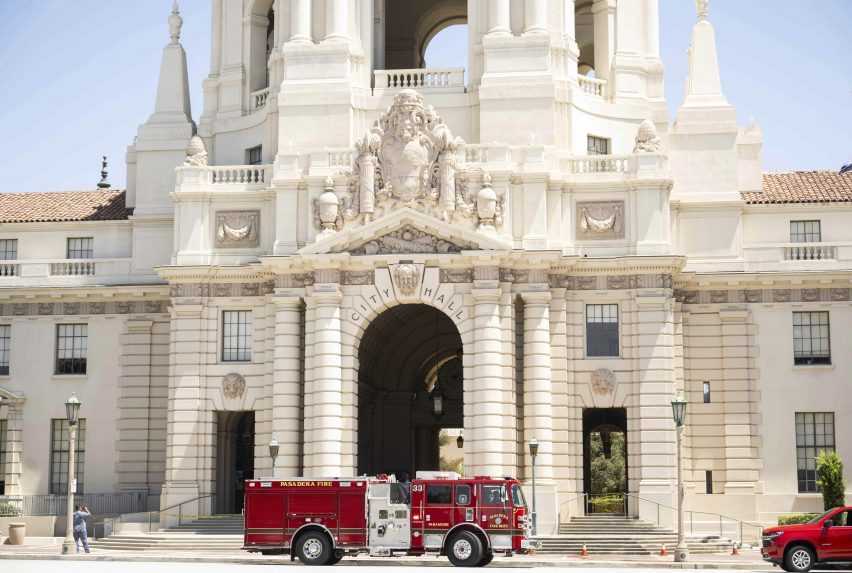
(378, 562)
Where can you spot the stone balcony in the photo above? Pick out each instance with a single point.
(64, 272)
(798, 256)
(225, 178)
(424, 80)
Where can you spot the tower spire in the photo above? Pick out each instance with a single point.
(175, 23)
(704, 84)
(701, 6)
(104, 182)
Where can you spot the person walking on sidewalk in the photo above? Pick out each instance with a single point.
(80, 534)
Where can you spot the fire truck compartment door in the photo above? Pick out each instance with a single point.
(390, 523)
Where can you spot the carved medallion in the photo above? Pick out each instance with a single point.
(237, 229)
(233, 385)
(600, 220)
(603, 381)
(407, 277)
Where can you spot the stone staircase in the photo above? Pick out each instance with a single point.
(222, 533)
(619, 535)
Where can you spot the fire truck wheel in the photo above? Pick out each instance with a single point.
(338, 555)
(465, 550)
(486, 558)
(314, 548)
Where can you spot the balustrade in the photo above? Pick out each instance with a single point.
(602, 164)
(258, 99)
(421, 78)
(592, 86)
(73, 268)
(9, 270)
(238, 174)
(810, 252)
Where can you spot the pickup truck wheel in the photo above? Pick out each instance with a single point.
(799, 559)
(314, 548)
(465, 550)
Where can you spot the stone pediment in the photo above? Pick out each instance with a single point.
(404, 232)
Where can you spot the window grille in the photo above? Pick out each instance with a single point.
(811, 338)
(5, 344)
(597, 145)
(80, 248)
(59, 450)
(814, 434)
(72, 341)
(236, 336)
(602, 330)
(805, 232)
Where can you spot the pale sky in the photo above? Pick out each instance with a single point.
(79, 76)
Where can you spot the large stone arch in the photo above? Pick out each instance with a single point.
(409, 24)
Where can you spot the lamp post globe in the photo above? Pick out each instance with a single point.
(273, 452)
(533, 445)
(679, 416)
(72, 413)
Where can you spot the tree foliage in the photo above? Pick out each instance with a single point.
(829, 469)
(608, 465)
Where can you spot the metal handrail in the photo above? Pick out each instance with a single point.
(164, 511)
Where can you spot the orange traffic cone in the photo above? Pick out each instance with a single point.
(663, 550)
(584, 552)
(735, 550)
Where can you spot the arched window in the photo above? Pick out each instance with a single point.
(262, 42)
(270, 39)
(447, 47)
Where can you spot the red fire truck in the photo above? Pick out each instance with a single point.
(322, 520)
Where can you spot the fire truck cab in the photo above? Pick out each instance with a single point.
(321, 521)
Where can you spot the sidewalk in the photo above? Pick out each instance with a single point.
(50, 547)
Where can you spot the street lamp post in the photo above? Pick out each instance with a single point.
(72, 411)
(533, 453)
(679, 414)
(273, 452)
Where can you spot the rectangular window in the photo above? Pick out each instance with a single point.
(597, 145)
(72, 342)
(707, 392)
(463, 494)
(59, 449)
(5, 343)
(708, 481)
(439, 494)
(8, 249)
(811, 338)
(492, 495)
(805, 232)
(3, 454)
(254, 155)
(236, 336)
(814, 433)
(80, 248)
(601, 330)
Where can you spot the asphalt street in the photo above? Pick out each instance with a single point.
(70, 566)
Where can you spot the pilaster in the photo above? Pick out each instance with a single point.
(287, 380)
(14, 413)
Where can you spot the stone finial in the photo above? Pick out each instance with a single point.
(647, 140)
(703, 8)
(329, 183)
(175, 23)
(196, 152)
(104, 182)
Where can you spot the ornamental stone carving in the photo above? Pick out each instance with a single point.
(600, 220)
(408, 159)
(408, 240)
(327, 208)
(603, 381)
(407, 278)
(647, 140)
(196, 153)
(237, 229)
(233, 386)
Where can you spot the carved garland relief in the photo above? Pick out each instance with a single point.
(600, 220)
(237, 229)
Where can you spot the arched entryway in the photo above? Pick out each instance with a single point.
(234, 459)
(409, 389)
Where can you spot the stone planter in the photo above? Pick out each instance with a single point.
(17, 533)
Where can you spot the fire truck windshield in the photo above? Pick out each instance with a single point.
(518, 496)
(399, 493)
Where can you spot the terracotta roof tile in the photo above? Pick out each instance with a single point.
(101, 205)
(803, 187)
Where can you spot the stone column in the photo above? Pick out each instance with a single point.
(535, 17)
(287, 380)
(134, 405)
(603, 12)
(325, 387)
(487, 397)
(499, 17)
(569, 38)
(300, 21)
(337, 20)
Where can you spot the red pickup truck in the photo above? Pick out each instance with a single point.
(798, 548)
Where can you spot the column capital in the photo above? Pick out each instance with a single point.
(286, 300)
(325, 298)
(486, 294)
(536, 297)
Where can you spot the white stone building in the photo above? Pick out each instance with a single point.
(345, 239)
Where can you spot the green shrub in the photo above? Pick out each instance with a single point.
(794, 518)
(829, 469)
(8, 510)
(607, 504)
